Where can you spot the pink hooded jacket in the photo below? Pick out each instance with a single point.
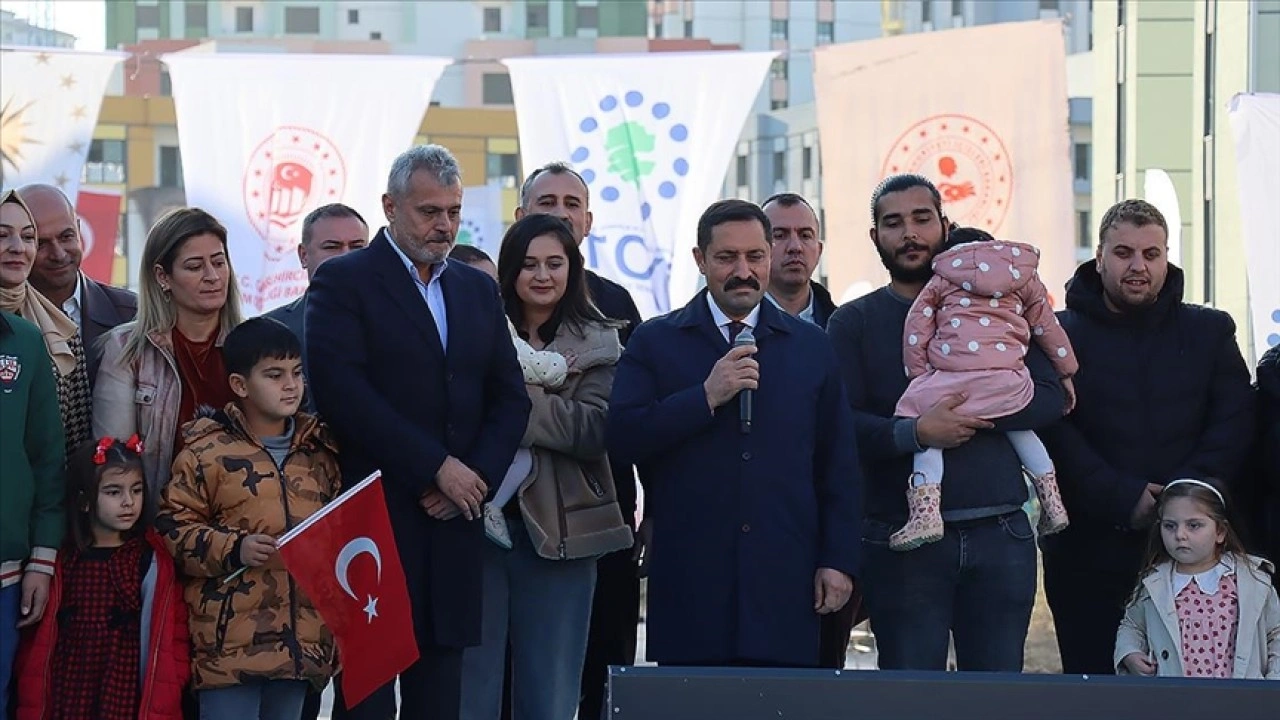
(970, 327)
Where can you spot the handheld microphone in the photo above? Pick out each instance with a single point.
(745, 396)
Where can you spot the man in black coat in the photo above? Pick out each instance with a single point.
(412, 366)
(797, 248)
(1163, 393)
(94, 306)
(329, 231)
(1266, 477)
(557, 189)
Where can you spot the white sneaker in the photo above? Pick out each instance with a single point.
(495, 526)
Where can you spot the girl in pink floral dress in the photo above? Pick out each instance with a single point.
(966, 334)
(1202, 608)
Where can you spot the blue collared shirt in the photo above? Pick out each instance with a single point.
(432, 293)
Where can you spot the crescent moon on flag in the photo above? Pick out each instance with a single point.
(349, 553)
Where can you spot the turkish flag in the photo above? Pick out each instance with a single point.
(344, 558)
(99, 226)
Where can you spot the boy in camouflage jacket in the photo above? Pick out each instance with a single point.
(247, 474)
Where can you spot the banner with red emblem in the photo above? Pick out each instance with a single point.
(266, 139)
(939, 104)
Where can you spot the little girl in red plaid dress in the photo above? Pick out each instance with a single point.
(113, 642)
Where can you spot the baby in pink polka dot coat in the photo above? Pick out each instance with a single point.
(967, 334)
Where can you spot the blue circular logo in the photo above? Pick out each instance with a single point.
(1274, 338)
(622, 145)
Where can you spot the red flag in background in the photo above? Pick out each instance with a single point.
(99, 226)
(344, 558)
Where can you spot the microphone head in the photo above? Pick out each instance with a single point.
(745, 337)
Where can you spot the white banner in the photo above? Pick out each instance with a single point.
(482, 221)
(1255, 119)
(652, 135)
(982, 112)
(265, 139)
(1158, 189)
(49, 102)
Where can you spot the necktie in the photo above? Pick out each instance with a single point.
(735, 327)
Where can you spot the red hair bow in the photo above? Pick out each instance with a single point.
(100, 455)
(134, 443)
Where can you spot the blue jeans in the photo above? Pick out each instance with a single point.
(10, 598)
(266, 700)
(543, 609)
(976, 585)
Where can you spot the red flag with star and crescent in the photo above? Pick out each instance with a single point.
(344, 558)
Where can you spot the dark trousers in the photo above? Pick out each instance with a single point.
(1088, 578)
(430, 689)
(834, 629)
(976, 586)
(611, 640)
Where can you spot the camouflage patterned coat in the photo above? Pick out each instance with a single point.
(226, 486)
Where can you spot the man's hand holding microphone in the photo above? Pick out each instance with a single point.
(734, 373)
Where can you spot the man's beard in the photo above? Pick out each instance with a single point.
(903, 274)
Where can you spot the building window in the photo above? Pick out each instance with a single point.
(588, 17)
(493, 20)
(688, 28)
(806, 164)
(502, 167)
(778, 69)
(778, 29)
(302, 20)
(244, 19)
(148, 16)
(353, 17)
(375, 35)
(779, 165)
(537, 16)
(197, 14)
(104, 163)
(496, 89)
(742, 171)
(170, 167)
(926, 11)
(1083, 153)
(826, 32)
(1049, 5)
(166, 83)
(1084, 230)
(777, 104)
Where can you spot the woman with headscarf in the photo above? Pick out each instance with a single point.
(61, 336)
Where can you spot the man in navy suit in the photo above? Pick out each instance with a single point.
(94, 306)
(755, 528)
(329, 231)
(413, 367)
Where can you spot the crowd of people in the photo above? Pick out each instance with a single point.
(792, 455)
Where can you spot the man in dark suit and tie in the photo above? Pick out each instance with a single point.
(328, 231)
(94, 306)
(755, 527)
(412, 365)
